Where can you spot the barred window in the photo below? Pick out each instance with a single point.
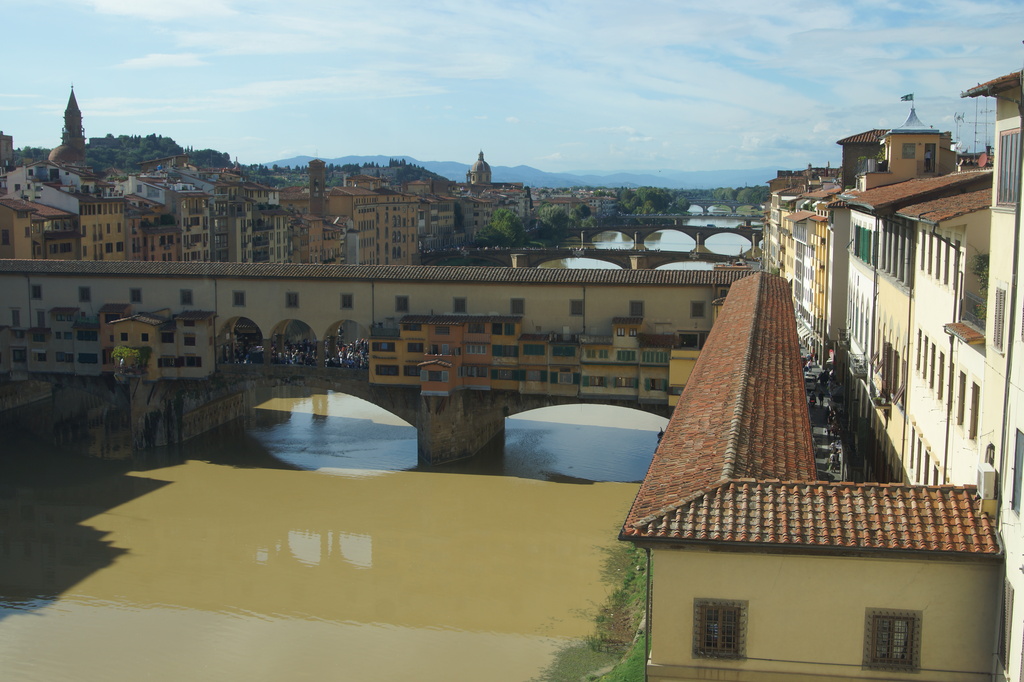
(518, 306)
(719, 628)
(892, 640)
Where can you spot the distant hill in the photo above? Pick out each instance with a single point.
(671, 179)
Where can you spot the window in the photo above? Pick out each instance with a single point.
(238, 298)
(193, 361)
(386, 370)
(145, 337)
(476, 328)
(190, 339)
(975, 407)
(459, 305)
(576, 308)
(696, 308)
(997, 319)
(414, 347)
(961, 399)
(942, 369)
(1008, 160)
(87, 335)
(124, 336)
(597, 354)
(411, 371)
(442, 331)
(534, 349)
(517, 306)
(291, 299)
(185, 296)
(636, 308)
(625, 355)
(691, 340)
(401, 304)
(346, 301)
(476, 349)
(40, 318)
(625, 382)
(563, 351)
(135, 295)
(658, 357)
(656, 384)
(88, 358)
(565, 377)
(535, 375)
(892, 640)
(632, 332)
(1018, 474)
(386, 346)
(84, 294)
(166, 337)
(719, 628)
(909, 150)
(594, 381)
(620, 331)
(37, 291)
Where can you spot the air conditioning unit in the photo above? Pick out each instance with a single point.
(987, 481)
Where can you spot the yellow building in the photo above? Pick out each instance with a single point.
(761, 572)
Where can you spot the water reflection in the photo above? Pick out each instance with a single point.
(236, 559)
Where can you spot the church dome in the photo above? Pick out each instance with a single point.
(479, 173)
(481, 166)
(65, 153)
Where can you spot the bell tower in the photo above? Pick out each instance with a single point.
(317, 176)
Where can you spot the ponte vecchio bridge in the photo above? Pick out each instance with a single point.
(206, 333)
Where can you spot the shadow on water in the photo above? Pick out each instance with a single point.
(46, 498)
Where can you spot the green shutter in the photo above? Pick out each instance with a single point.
(494, 374)
(585, 381)
(576, 378)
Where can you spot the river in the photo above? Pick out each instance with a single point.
(308, 545)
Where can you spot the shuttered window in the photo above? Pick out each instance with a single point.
(997, 319)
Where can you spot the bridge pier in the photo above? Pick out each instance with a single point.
(458, 426)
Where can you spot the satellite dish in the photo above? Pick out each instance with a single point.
(983, 160)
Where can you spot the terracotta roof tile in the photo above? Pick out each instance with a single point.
(866, 137)
(798, 216)
(656, 340)
(845, 516)
(965, 333)
(995, 86)
(743, 412)
(402, 273)
(947, 208)
(918, 189)
(195, 315)
(627, 320)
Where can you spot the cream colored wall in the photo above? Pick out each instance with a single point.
(893, 319)
(806, 614)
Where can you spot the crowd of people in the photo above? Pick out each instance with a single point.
(355, 355)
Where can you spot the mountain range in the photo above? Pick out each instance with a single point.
(532, 177)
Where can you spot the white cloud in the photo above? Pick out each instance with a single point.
(511, 119)
(161, 61)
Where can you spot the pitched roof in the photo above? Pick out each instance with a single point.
(842, 516)
(867, 137)
(743, 412)
(993, 87)
(887, 196)
(947, 208)
(798, 216)
(390, 273)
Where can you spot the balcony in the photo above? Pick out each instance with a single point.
(973, 310)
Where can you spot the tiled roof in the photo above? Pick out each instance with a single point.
(195, 315)
(842, 516)
(743, 412)
(627, 320)
(947, 208)
(400, 273)
(115, 307)
(435, 361)
(798, 216)
(888, 196)
(965, 333)
(533, 337)
(145, 318)
(993, 87)
(867, 137)
(656, 340)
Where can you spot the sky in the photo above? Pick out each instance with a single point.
(559, 85)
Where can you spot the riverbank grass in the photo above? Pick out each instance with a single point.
(614, 653)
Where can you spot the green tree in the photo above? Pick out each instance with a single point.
(554, 223)
(505, 230)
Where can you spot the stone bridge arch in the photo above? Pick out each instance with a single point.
(240, 340)
(294, 342)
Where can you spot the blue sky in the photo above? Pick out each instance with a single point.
(559, 85)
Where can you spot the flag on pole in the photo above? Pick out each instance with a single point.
(907, 98)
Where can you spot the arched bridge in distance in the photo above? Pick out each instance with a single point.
(627, 259)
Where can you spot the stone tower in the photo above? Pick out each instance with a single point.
(317, 176)
(72, 147)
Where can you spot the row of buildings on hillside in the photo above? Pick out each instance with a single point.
(170, 210)
(904, 279)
